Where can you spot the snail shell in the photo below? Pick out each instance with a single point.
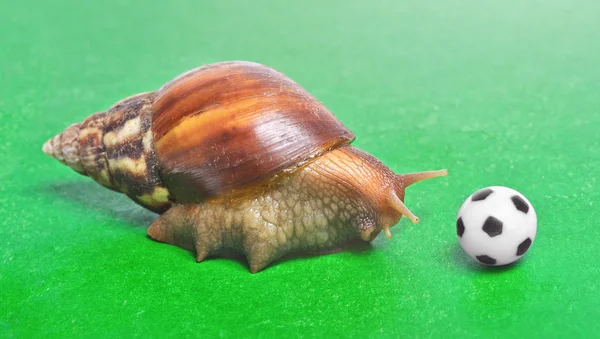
(231, 125)
(217, 129)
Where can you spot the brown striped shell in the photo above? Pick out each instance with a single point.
(214, 130)
(231, 125)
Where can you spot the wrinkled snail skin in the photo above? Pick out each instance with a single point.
(237, 156)
(340, 196)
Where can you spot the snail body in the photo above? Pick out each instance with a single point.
(237, 156)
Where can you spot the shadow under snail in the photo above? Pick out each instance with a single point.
(237, 156)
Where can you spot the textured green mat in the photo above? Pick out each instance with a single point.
(500, 93)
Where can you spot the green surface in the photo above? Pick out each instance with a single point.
(499, 92)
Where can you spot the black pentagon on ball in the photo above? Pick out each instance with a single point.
(486, 259)
(492, 227)
(481, 194)
(460, 227)
(520, 204)
(524, 246)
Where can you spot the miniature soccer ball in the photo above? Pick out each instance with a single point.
(496, 225)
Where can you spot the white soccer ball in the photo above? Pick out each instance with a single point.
(496, 225)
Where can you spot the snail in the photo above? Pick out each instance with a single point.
(237, 156)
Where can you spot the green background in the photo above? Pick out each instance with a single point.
(499, 92)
